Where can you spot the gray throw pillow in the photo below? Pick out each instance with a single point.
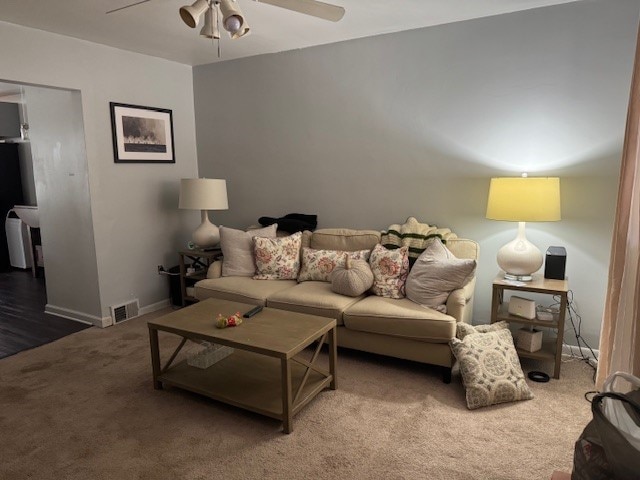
(237, 250)
(436, 274)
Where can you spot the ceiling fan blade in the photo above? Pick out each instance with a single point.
(128, 6)
(314, 8)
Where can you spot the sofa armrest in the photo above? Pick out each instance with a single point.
(460, 302)
(215, 269)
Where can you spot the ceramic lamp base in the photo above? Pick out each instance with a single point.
(520, 258)
(207, 235)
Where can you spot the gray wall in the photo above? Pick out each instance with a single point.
(367, 132)
(134, 216)
(62, 185)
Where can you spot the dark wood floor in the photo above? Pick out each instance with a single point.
(23, 323)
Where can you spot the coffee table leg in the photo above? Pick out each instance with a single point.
(155, 357)
(287, 422)
(333, 358)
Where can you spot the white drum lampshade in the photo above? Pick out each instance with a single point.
(204, 194)
(523, 199)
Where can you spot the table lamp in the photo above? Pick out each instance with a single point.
(204, 194)
(523, 199)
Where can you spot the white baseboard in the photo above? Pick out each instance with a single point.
(154, 307)
(574, 351)
(101, 322)
(77, 316)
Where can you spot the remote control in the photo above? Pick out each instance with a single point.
(252, 312)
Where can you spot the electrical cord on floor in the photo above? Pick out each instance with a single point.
(576, 323)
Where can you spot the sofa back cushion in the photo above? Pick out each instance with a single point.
(463, 248)
(343, 239)
(237, 250)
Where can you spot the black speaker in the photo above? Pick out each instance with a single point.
(555, 263)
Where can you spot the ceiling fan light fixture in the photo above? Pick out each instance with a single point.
(232, 19)
(191, 14)
(210, 29)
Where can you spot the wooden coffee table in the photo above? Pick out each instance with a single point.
(265, 373)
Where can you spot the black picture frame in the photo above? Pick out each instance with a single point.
(142, 134)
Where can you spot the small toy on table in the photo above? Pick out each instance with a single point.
(232, 321)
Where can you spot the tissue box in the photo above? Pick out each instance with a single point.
(529, 340)
(211, 354)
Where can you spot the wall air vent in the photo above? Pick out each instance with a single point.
(125, 311)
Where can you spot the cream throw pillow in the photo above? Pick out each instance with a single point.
(237, 250)
(436, 274)
(490, 369)
(352, 279)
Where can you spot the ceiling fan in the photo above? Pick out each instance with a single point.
(233, 20)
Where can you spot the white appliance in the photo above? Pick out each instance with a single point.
(17, 241)
(522, 307)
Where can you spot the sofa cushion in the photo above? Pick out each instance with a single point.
(277, 258)
(319, 264)
(240, 289)
(343, 239)
(400, 318)
(237, 250)
(437, 273)
(390, 268)
(315, 298)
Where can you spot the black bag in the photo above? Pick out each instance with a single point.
(292, 222)
(602, 451)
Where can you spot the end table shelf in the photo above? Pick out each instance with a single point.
(551, 347)
(199, 259)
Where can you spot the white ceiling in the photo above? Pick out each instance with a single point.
(155, 28)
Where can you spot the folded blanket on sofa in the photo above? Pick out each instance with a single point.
(414, 235)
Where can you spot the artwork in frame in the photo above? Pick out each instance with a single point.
(142, 134)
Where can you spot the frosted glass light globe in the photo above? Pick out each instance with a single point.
(232, 24)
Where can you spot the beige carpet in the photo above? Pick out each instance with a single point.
(83, 407)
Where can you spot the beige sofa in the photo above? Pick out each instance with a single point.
(394, 327)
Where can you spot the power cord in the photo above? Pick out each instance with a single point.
(576, 323)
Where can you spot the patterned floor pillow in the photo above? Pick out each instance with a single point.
(464, 329)
(490, 369)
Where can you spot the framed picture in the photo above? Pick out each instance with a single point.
(142, 134)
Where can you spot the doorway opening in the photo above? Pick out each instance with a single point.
(23, 295)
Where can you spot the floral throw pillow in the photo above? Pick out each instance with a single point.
(490, 368)
(277, 258)
(318, 264)
(390, 269)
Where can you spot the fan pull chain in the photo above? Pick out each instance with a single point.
(218, 29)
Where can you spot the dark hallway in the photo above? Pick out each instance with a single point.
(23, 323)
